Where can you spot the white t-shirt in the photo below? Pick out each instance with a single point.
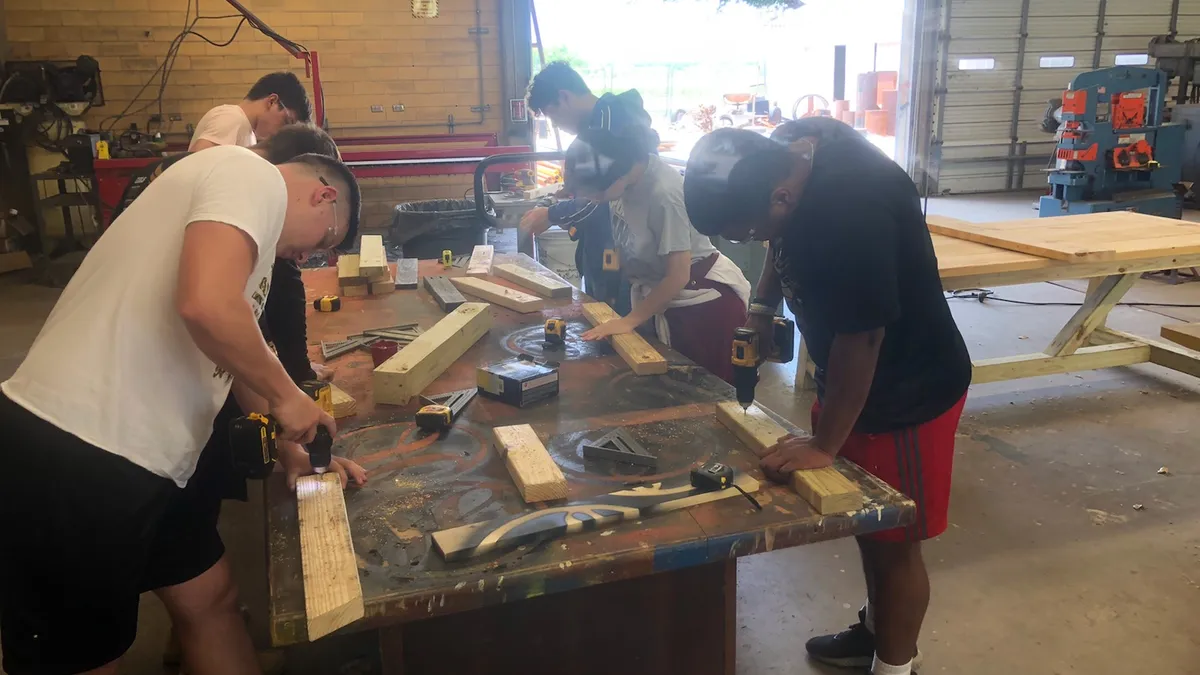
(225, 125)
(114, 364)
(650, 222)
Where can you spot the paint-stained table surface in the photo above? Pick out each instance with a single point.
(419, 485)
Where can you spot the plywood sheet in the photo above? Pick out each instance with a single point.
(1098, 237)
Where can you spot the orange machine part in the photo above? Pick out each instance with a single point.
(1087, 155)
(1138, 155)
(1129, 110)
(1075, 102)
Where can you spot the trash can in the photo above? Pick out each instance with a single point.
(424, 229)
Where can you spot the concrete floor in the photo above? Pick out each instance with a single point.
(1047, 567)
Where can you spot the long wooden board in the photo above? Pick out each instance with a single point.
(372, 258)
(1183, 334)
(470, 541)
(633, 348)
(536, 475)
(444, 293)
(332, 594)
(826, 490)
(501, 295)
(542, 284)
(1094, 237)
(403, 376)
(480, 264)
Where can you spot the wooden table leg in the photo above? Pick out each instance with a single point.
(681, 621)
(1102, 295)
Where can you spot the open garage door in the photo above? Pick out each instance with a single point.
(1005, 59)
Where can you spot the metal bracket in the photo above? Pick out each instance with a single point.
(618, 446)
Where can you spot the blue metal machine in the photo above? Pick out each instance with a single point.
(1115, 153)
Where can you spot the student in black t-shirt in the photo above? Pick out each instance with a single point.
(852, 256)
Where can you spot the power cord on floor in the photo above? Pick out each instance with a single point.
(985, 294)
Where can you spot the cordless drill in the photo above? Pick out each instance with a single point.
(747, 354)
(254, 438)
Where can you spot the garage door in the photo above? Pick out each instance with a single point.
(1005, 59)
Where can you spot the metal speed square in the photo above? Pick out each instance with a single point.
(618, 446)
(331, 350)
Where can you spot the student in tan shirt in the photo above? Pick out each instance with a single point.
(275, 100)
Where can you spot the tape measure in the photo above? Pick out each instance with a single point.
(447, 258)
(327, 303)
(612, 260)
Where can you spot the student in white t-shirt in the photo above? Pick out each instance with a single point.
(276, 100)
(117, 395)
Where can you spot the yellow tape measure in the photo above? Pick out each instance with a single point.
(327, 303)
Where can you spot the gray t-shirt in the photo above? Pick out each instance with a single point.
(650, 222)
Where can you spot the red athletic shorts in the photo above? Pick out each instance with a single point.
(916, 461)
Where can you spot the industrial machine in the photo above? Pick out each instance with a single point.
(1182, 60)
(1116, 151)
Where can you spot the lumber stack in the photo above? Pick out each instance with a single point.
(355, 282)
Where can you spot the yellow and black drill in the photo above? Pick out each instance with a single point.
(253, 438)
(747, 354)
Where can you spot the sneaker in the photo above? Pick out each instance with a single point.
(851, 648)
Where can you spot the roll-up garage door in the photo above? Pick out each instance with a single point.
(1005, 59)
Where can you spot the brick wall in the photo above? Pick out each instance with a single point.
(373, 53)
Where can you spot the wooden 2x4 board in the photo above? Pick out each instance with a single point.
(403, 376)
(826, 490)
(1093, 237)
(501, 295)
(633, 348)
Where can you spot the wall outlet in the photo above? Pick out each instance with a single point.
(175, 117)
(398, 108)
(376, 108)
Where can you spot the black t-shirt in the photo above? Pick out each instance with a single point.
(857, 256)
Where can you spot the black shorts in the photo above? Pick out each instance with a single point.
(87, 531)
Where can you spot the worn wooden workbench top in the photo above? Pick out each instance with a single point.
(420, 485)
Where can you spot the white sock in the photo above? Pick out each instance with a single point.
(881, 668)
(869, 612)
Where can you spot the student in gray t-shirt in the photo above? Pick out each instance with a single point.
(696, 296)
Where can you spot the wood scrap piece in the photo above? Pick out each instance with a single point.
(444, 293)
(372, 258)
(406, 273)
(508, 532)
(332, 593)
(383, 286)
(348, 273)
(403, 376)
(480, 264)
(826, 490)
(1183, 334)
(358, 291)
(536, 475)
(501, 295)
(344, 404)
(541, 284)
(633, 348)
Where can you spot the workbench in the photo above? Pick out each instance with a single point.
(653, 595)
(1147, 244)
